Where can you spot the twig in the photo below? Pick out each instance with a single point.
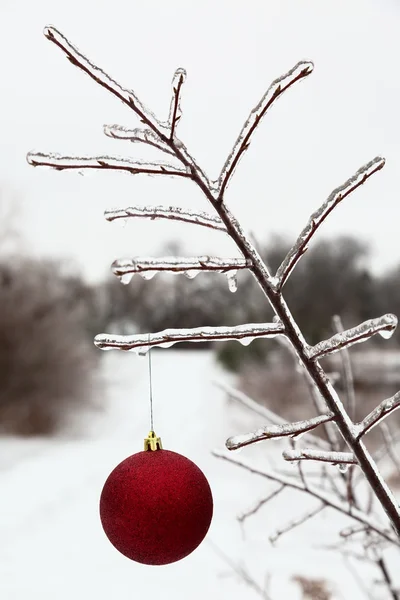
(335, 458)
(375, 416)
(390, 444)
(385, 326)
(137, 135)
(173, 213)
(164, 339)
(348, 379)
(276, 431)
(241, 518)
(296, 523)
(319, 216)
(175, 112)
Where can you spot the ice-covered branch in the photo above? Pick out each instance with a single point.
(353, 513)
(335, 458)
(241, 518)
(164, 339)
(296, 522)
(319, 216)
(380, 412)
(111, 163)
(144, 136)
(276, 431)
(385, 326)
(126, 96)
(126, 268)
(175, 111)
(276, 89)
(173, 213)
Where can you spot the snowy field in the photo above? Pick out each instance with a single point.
(52, 544)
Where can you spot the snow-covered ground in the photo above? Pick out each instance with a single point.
(52, 544)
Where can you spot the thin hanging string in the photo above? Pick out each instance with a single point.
(151, 391)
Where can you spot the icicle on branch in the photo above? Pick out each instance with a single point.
(126, 96)
(319, 216)
(335, 458)
(164, 339)
(276, 431)
(296, 522)
(276, 89)
(126, 268)
(111, 163)
(353, 512)
(173, 213)
(144, 136)
(175, 111)
(384, 325)
(380, 412)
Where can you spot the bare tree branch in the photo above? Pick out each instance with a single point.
(144, 136)
(296, 523)
(385, 326)
(335, 458)
(175, 112)
(276, 431)
(319, 216)
(276, 89)
(375, 416)
(164, 339)
(173, 213)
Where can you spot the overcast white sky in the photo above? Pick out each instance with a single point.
(314, 138)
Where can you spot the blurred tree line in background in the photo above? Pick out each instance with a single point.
(50, 315)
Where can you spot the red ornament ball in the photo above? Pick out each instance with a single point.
(156, 507)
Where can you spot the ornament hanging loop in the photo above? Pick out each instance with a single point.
(152, 442)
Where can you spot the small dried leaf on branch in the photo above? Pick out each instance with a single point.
(277, 431)
(127, 96)
(164, 339)
(111, 163)
(137, 135)
(276, 89)
(375, 416)
(335, 458)
(173, 213)
(319, 216)
(384, 325)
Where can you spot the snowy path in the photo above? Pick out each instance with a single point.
(52, 545)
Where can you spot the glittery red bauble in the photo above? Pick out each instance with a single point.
(156, 507)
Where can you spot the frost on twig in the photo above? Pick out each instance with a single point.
(145, 136)
(319, 216)
(125, 95)
(164, 339)
(375, 416)
(296, 522)
(385, 326)
(111, 163)
(335, 458)
(276, 89)
(173, 213)
(175, 111)
(126, 268)
(276, 431)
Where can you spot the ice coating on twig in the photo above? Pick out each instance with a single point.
(380, 412)
(174, 213)
(320, 455)
(177, 264)
(145, 136)
(296, 523)
(252, 511)
(125, 95)
(169, 337)
(385, 326)
(276, 431)
(113, 163)
(175, 111)
(277, 87)
(319, 216)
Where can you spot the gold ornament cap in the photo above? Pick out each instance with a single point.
(152, 442)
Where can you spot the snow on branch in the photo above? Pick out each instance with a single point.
(175, 111)
(144, 136)
(164, 339)
(113, 163)
(126, 268)
(276, 89)
(319, 216)
(276, 431)
(126, 96)
(375, 416)
(173, 213)
(335, 458)
(384, 325)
